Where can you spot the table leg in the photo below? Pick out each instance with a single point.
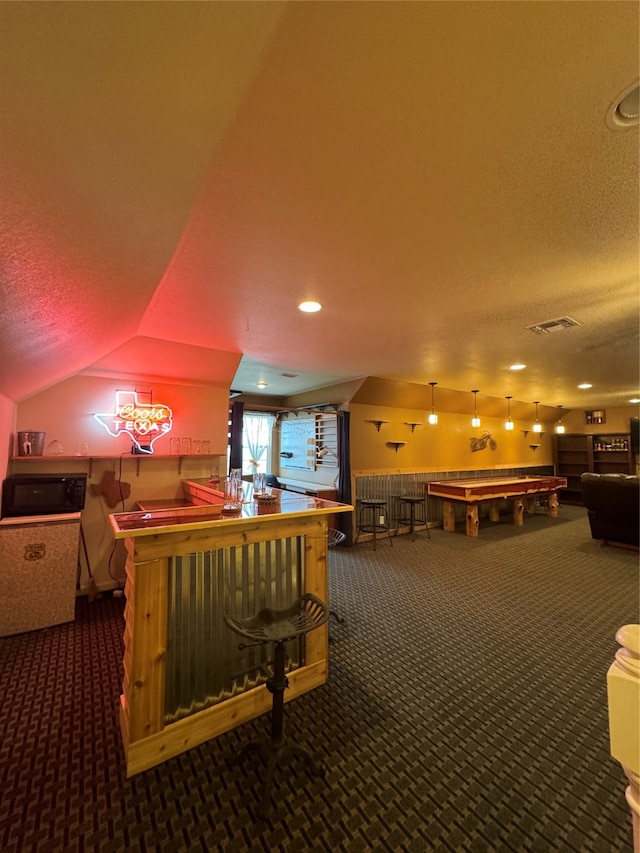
(494, 511)
(448, 516)
(472, 519)
(553, 506)
(518, 512)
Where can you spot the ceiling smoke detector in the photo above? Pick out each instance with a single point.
(550, 326)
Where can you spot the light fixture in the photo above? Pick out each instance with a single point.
(433, 418)
(537, 427)
(560, 425)
(475, 420)
(508, 423)
(261, 384)
(309, 307)
(517, 367)
(584, 386)
(635, 400)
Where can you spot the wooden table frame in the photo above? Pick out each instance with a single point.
(521, 491)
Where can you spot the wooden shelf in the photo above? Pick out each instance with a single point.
(138, 457)
(576, 454)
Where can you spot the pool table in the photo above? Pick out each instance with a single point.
(521, 491)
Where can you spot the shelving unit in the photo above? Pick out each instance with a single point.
(89, 458)
(575, 454)
(326, 437)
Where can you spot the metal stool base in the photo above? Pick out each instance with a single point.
(411, 520)
(275, 755)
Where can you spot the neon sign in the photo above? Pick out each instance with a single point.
(142, 422)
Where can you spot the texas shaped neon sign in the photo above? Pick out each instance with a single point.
(142, 422)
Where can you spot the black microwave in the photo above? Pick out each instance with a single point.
(43, 494)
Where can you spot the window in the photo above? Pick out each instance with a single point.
(256, 442)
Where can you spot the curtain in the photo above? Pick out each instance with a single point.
(236, 413)
(257, 430)
(344, 519)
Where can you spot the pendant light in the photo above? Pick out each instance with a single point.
(560, 425)
(433, 418)
(537, 427)
(475, 420)
(508, 423)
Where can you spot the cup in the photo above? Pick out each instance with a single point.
(175, 446)
(232, 494)
(196, 447)
(259, 484)
(236, 474)
(206, 447)
(186, 446)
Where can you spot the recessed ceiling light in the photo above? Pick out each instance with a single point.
(310, 307)
(625, 110)
(635, 400)
(261, 384)
(585, 385)
(517, 367)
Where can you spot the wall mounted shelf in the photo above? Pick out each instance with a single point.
(137, 457)
(396, 444)
(413, 424)
(526, 432)
(378, 424)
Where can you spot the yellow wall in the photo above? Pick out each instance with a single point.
(443, 447)
(617, 420)
(65, 412)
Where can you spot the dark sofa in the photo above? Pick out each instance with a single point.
(612, 505)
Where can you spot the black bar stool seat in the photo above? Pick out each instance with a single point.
(417, 513)
(278, 627)
(371, 511)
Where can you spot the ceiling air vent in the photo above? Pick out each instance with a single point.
(552, 325)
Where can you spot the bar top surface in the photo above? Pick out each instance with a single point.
(286, 505)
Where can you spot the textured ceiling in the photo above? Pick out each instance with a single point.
(438, 175)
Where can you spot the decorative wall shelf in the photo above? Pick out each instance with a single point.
(378, 424)
(413, 424)
(526, 432)
(396, 444)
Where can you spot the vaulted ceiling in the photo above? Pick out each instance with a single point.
(177, 177)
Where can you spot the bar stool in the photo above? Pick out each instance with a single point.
(417, 510)
(278, 627)
(371, 519)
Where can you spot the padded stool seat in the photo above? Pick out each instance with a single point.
(417, 513)
(278, 627)
(372, 519)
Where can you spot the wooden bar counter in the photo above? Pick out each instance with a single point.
(185, 681)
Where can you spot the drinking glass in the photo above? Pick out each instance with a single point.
(206, 447)
(259, 484)
(232, 494)
(175, 446)
(196, 446)
(186, 446)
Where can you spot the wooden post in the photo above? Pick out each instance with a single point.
(553, 506)
(623, 689)
(472, 519)
(448, 516)
(494, 511)
(518, 512)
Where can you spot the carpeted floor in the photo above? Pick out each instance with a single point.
(465, 710)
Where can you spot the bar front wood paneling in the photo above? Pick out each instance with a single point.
(153, 541)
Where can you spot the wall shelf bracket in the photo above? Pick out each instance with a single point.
(378, 424)
(413, 424)
(396, 444)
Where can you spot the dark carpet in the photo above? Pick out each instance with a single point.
(466, 710)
